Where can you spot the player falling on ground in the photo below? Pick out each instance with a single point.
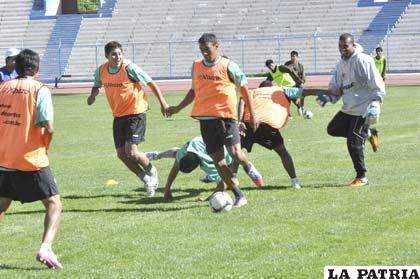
(191, 155)
(128, 101)
(214, 95)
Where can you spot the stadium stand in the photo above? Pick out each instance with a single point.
(385, 19)
(401, 48)
(163, 38)
(15, 25)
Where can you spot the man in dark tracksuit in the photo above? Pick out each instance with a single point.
(362, 89)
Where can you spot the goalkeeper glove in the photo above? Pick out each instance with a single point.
(323, 99)
(373, 113)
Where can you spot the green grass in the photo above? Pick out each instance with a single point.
(117, 232)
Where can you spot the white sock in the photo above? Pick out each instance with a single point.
(295, 181)
(45, 247)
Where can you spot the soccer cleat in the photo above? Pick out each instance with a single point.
(49, 259)
(255, 176)
(206, 179)
(152, 155)
(359, 182)
(296, 185)
(151, 182)
(374, 139)
(241, 201)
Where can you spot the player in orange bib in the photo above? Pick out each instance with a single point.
(214, 80)
(26, 128)
(123, 88)
(272, 107)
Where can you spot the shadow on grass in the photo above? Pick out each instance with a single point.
(14, 267)
(122, 210)
(282, 187)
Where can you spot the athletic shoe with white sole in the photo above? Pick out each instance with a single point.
(49, 259)
(151, 182)
(255, 176)
(359, 182)
(374, 139)
(241, 201)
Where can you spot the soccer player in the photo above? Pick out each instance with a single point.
(296, 66)
(213, 92)
(8, 72)
(26, 131)
(187, 158)
(284, 76)
(380, 62)
(362, 90)
(123, 88)
(272, 105)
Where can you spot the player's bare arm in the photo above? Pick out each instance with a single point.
(170, 180)
(93, 93)
(246, 96)
(188, 99)
(318, 92)
(158, 94)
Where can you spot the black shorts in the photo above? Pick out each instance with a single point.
(28, 186)
(265, 135)
(219, 132)
(129, 128)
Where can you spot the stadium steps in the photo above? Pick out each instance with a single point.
(385, 20)
(59, 47)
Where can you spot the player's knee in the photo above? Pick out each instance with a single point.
(55, 203)
(222, 164)
(331, 130)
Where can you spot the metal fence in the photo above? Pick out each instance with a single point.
(173, 59)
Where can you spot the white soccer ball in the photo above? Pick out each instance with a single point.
(220, 201)
(308, 114)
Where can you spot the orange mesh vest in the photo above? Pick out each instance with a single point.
(270, 106)
(23, 145)
(125, 96)
(215, 94)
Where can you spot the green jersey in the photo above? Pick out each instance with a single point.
(197, 146)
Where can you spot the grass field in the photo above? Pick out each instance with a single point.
(117, 232)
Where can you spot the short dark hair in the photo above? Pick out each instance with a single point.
(345, 36)
(111, 46)
(266, 83)
(189, 162)
(379, 49)
(269, 62)
(208, 38)
(27, 63)
(294, 52)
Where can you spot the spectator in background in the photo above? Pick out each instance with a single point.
(296, 66)
(8, 72)
(380, 62)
